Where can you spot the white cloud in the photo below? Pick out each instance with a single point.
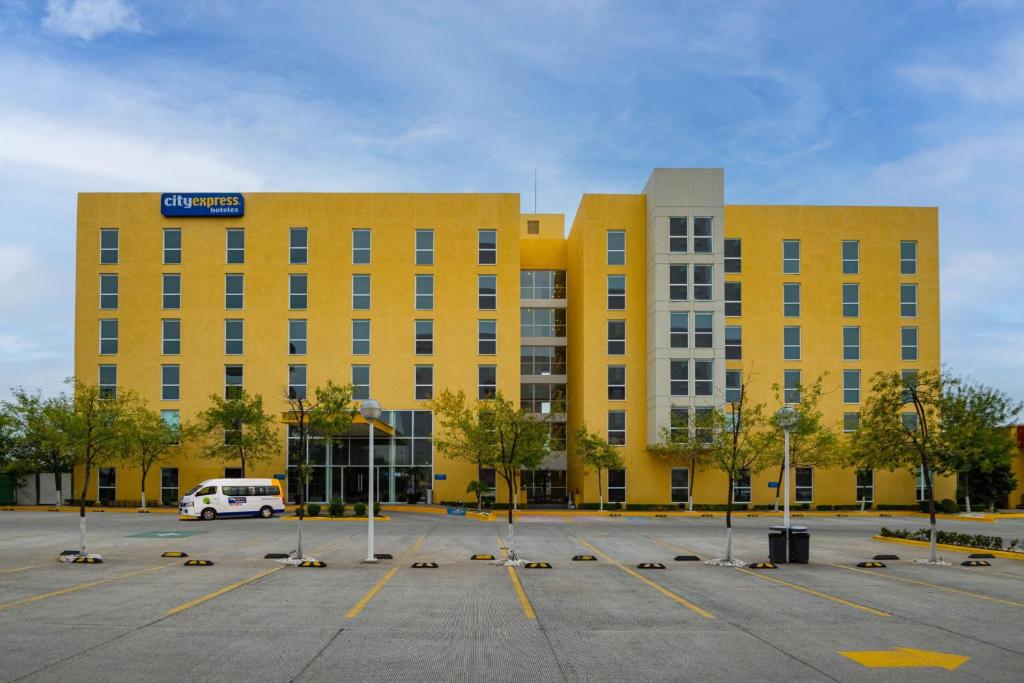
(1000, 81)
(88, 19)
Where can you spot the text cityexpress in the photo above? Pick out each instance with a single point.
(202, 204)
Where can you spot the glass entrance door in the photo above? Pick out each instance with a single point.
(356, 481)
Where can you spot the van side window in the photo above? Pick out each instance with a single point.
(208, 491)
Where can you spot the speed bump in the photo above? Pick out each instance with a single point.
(537, 565)
(885, 557)
(751, 514)
(174, 553)
(312, 563)
(276, 556)
(198, 563)
(842, 514)
(424, 565)
(650, 565)
(85, 559)
(584, 558)
(661, 515)
(482, 556)
(53, 509)
(871, 565)
(70, 552)
(884, 515)
(763, 565)
(707, 514)
(687, 558)
(965, 563)
(981, 556)
(615, 514)
(383, 556)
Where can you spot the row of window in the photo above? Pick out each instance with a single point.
(791, 299)
(298, 246)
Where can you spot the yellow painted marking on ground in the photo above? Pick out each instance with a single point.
(656, 586)
(826, 596)
(21, 569)
(221, 591)
(365, 600)
(904, 657)
(673, 546)
(524, 602)
(78, 587)
(980, 596)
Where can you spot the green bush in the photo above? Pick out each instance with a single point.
(300, 511)
(360, 509)
(313, 509)
(948, 506)
(376, 509)
(596, 506)
(948, 538)
(336, 508)
(900, 507)
(718, 507)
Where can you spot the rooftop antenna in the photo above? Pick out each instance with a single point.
(535, 189)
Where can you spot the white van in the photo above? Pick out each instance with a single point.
(233, 498)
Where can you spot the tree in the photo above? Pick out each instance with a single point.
(684, 446)
(811, 443)
(492, 433)
(36, 442)
(236, 429)
(479, 489)
(147, 440)
(329, 413)
(593, 451)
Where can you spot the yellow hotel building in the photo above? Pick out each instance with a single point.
(652, 305)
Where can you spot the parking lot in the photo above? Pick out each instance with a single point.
(139, 616)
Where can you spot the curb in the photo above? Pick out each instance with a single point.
(951, 548)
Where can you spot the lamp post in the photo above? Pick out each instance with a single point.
(370, 410)
(786, 418)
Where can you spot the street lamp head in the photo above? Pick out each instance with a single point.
(786, 418)
(370, 410)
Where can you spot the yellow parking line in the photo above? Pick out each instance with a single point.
(79, 587)
(658, 587)
(21, 569)
(365, 600)
(980, 596)
(524, 601)
(673, 546)
(826, 596)
(221, 591)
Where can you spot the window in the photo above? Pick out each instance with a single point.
(909, 421)
(542, 399)
(360, 246)
(733, 256)
(679, 330)
(361, 292)
(234, 291)
(298, 246)
(360, 337)
(702, 235)
(232, 381)
(168, 485)
(235, 245)
(616, 247)
(908, 258)
(107, 484)
(733, 299)
(909, 380)
(542, 284)
(234, 337)
(804, 480)
(908, 301)
(616, 382)
(108, 291)
(296, 337)
(679, 420)
(424, 247)
(741, 487)
(851, 300)
(487, 337)
(922, 489)
(172, 246)
(791, 257)
(424, 292)
(851, 343)
(702, 283)
(679, 378)
(108, 246)
(791, 386)
(424, 382)
(171, 291)
(733, 385)
(733, 342)
(108, 336)
(616, 292)
(703, 330)
(170, 382)
(851, 386)
(487, 247)
(851, 257)
(298, 291)
(361, 382)
(791, 343)
(851, 421)
(616, 486)
(532, 227)
(542, 322)
(297, 382)
(487, 292)
(677, 231)
(424, 330)
(679, 485)
(542, 360)
(616, 337)
(487, 381)
(108, 381)
(170, 337)
(865, 486)
(791, 299)
(908, 343)
(703, 378)
(617, 427)
(676, 283)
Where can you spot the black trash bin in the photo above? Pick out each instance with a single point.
(777, 544)
(799, 545)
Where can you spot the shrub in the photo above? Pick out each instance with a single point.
(300, 511)
(336, 508)
(376, 509)
(948, 538)
(313, 509)
(360, 509)
(884, 506)
(948, 506)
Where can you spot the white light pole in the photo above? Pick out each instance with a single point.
(786, 418)
(370, 410)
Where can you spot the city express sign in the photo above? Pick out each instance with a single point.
(198, 204)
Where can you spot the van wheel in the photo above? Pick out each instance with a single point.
(209, 514)
(266, 512)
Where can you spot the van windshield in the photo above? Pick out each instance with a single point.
(193, 490)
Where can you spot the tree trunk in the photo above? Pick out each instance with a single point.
(600, 491)
(510, 542)
(242, 460)
(967, 491)
(728, 522)
(81, 511)
(693, 481)
(932, 530)
(58, 477)
(778, 482)
(37, 488)
(144, 473)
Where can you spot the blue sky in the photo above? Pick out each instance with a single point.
(908, 102)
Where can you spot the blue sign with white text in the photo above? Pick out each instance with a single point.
(198, 204)
(440, 477)
(773, 484)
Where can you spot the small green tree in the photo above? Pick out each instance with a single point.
(36, 443)
(479, 489)
(682, 445)
(593, 451)
(236, 430)
(462, 436)
(147, 440)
